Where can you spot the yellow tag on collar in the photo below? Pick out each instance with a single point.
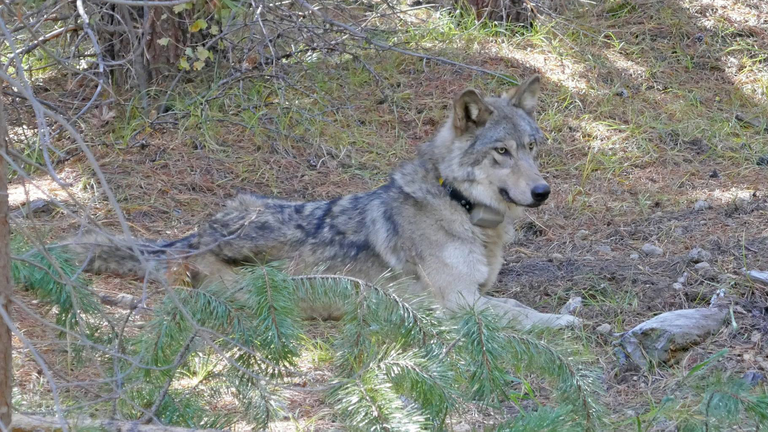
(440, 180)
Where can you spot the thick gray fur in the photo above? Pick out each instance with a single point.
(486, 149)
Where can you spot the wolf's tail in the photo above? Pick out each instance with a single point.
(99, 253)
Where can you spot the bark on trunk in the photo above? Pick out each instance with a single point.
(6, 288)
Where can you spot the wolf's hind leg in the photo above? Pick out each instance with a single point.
(207, 269)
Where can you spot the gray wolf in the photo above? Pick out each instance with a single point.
(442, 220)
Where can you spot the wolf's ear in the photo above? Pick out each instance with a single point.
(526, 95)
(469, 109)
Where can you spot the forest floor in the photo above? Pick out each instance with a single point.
(642, 103)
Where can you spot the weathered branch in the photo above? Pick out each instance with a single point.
(25, 423)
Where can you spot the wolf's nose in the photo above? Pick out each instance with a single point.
(540, 192)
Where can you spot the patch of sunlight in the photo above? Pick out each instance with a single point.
(734, 12)
(21, 133)
(45, 188)
(755, 87)
(725, 196)
(624, 64)
(563, 71)
(606, 136)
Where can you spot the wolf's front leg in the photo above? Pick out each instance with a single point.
(456, 290)
(513, 312)
(527, 317)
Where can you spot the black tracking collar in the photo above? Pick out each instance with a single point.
(457, 196)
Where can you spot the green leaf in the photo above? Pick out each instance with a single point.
(198, 64)
(183, 64)
(182, 7)
(164, 41)
(203, 53)
(198, 25)
(215, 30)
(232, 5)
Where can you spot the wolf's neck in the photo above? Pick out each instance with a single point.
(417, 178)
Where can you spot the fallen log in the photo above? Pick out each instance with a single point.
(25, 423)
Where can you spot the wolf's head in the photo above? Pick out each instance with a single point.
(488, 147)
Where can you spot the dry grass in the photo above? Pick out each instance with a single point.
(639, 103)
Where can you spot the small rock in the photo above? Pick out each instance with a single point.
(699, 38)
(752, 378)
(604, 249)
(701, 205)
(705, 270)
(758, 275)
(556, 258)
(634, 256)
(622, 93)
(588, 258)
(581, 235)
(677, 286)
(572, 306)
(697, 255)
(661, 338)
(652, 250)
(683, 278)
(714, 174)
(702, 266)
(604, 328)
(762, 161)
(719, 294)
(742, 202)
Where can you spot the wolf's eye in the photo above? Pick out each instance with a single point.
(501, 150)
(531, 145)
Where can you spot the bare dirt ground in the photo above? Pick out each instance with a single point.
(639, 102)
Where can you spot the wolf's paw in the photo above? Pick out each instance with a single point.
(557, 321)
(566, 321)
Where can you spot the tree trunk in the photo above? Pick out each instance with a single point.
(146, 43)
(509, 11)
(6, 288)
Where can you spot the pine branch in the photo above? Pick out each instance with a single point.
(180, 358)
(576, 386)
(271, 298)
(56, 283)
(561, 419)
(482, 346)
(369, 403)
(424, 376)
(727, 399)
(411, 317)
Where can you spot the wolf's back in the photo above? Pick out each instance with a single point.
(99, 253)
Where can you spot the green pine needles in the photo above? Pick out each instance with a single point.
(52, 277)
(219, 356)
